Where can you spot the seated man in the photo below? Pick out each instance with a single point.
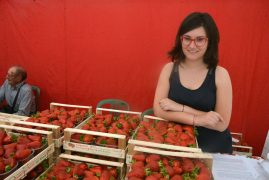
(17, 93)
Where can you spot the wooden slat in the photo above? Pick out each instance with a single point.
(12, 116)
(99, 111)
(173, 153)
(164, 146)
(91, 160)
(53, 104)
(25, 129)
(146, 117)
(31, 123)
(71, 130)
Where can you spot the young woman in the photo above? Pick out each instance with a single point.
(193, 89)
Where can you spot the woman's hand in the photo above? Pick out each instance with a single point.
(209, 120)
(167, 104)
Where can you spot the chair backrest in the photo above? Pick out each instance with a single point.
(36, 91)
(113, 104)
(147, 112)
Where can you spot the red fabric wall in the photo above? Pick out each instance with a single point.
(83, 51)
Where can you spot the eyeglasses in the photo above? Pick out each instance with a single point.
(198, 41)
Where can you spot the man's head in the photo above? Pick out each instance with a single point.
(15, 75)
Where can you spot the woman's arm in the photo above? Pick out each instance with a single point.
(224, 97)
(162, 93)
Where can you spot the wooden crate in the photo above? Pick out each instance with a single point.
(204, 157)
(89, 161)
(133, 142)
(22, 171)
(53, 128)
(58, 137)
(118, 152)
(115, 152)
(238, 145)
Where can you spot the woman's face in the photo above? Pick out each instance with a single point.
(194, 44)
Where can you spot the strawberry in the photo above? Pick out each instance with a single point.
(22, 154)
(199, 164)
(86, 127)
(2, 136)
(9, 153)
(34, 144)
(140, 173)
(88, 138)
(1, 150)
(113, 172)
(177, 177)
(157, 175)
(23, 140)
(153, 166)
(88, 173)
(96, 170)
(83, 166)
(153, 157)
(170, 170)
(7, 140)
(34, 137)
(139, 157)
(165, 161)
(151, 177)
(64, 163)
(105, 175)
(2, 167)
(138, 164)
(187, 165)
(77, 171)
(10, 146)
(135, 178)
(177, 170)
(204, 174)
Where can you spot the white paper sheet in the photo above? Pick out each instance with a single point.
(228, 167)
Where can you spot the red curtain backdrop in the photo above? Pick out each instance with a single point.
(83, 51)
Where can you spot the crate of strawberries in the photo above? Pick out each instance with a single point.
(153, 164)
(105, 133)
(61, 115)
(77, 167)
(158, 133)
(20, 153)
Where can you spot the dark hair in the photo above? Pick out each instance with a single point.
(193, 21)
(21, 71)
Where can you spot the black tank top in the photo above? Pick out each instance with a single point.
(203, 99)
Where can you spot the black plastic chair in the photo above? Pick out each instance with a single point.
(113, 104)
(36, 91)
(147, 112)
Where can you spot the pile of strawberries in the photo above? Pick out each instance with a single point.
(59, 116)
(121, 124)
(156, 167)
(66, 170)
(166, 132)
(16, 148)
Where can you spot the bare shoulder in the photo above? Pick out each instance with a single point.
(222, 75)
(167, 68)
